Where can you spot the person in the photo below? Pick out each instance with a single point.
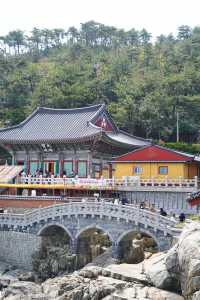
(124, 201)
(152, 208)
(142, 205)
(182, 217)
(163, 213)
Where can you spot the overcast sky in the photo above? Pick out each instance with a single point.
(157, 16)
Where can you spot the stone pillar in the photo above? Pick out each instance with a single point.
(27, 162)
(115, 250)
(41, 159)
(89, 165)
(73, 246)
(61, 163)
(13, 158)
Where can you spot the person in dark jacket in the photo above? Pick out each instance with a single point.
(163, 213)
(182, 217)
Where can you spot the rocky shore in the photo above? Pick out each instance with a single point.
(174, 275)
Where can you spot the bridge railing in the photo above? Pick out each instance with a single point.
(12, 220)
(123, 212)
(126, 213)
(104, 183)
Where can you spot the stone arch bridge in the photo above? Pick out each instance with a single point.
(115, 220)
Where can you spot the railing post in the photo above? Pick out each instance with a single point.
(113, 181)
(180, 181)
(196, 181)
(125, 181)
(101, 181)
(40, 179)
(29, 179)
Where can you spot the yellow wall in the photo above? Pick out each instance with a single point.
(191, 170)
(149, 170)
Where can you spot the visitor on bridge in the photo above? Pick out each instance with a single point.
(152, 208)
(142, 205)
(124, 201)
(163, 212)
(182, 217)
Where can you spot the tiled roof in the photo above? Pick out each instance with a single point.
(128, 139)
(46, 125)
(54, 125)
(155, 153)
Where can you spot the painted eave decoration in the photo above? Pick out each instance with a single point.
(194, 198)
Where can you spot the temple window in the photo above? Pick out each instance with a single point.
(137, 170)
(82, 168)
(68, 168)
(33, 167)
(163, 170)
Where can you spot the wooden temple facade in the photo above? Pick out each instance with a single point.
(69, 142)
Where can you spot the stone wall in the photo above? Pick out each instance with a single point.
(17, 248)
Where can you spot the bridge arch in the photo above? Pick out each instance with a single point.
(94, 226)
(47, 226)
(142, 231)
(92, 241)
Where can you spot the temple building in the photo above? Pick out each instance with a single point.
(80, 141)
(157, 162)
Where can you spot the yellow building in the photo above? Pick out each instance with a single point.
(156, 162)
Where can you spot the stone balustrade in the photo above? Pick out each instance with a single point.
(120, 213)
(115, 220)
(113, 183)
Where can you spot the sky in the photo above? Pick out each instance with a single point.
(157, 16)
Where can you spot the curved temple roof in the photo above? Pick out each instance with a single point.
(47, 125)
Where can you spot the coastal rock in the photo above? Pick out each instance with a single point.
(51, 261)
(75, 287)
(5, 280)
(90, 272)
(144, 293)
(188, 255)
(5, 267)
(158, 274)
(196, 296)
(23, 289)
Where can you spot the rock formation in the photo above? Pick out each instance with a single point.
(174, 275)
(183, 261)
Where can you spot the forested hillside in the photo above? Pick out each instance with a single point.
(144, 83)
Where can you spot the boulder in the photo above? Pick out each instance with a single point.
(184, 261)
(90, 272)
(157, 294)
(5, 280)
(158, 274)
(196, 296)
(23, 289)
(140, 292)
(5, 267)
